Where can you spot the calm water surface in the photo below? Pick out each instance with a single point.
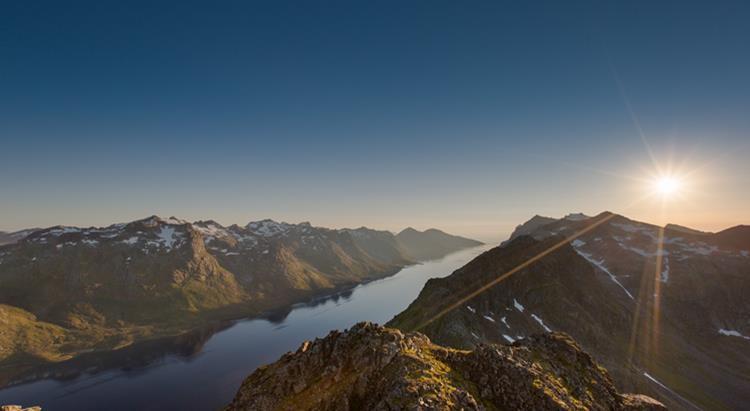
(204, 372)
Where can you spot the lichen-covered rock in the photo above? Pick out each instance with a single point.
(18, 408)
(376, 368)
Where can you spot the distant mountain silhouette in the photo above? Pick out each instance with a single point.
(432, 243)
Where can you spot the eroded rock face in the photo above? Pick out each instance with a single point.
(376, 368)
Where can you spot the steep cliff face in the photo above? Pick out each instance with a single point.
(376, 368)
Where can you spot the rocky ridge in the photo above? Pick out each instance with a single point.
(377, 368)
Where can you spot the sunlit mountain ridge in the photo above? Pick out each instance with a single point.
(65, 291)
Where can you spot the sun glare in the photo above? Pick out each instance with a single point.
(667, 185)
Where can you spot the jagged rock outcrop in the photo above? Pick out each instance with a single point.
(376, 368)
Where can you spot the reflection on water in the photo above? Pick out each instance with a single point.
(203, 369)
(279, 315)
(134, 358)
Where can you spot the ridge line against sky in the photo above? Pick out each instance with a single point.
(496, 236)
(388, 115)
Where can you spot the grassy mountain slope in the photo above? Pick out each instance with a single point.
(105, 288)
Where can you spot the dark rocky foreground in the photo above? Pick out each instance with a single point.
(377, 368)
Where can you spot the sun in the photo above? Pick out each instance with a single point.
(667, 185)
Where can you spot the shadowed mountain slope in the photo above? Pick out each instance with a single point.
(664, 310)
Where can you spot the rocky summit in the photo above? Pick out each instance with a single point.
(370, 367)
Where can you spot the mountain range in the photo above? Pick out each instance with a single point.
(524, 325)
(66, 291)
(664, 309)
(15, 236)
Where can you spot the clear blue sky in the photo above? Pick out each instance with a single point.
(468, 116)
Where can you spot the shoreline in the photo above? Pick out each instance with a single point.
(145, 352)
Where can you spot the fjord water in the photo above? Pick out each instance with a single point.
(202, 376)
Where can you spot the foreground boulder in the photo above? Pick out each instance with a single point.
(377, 368)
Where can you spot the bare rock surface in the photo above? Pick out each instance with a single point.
(377, 368)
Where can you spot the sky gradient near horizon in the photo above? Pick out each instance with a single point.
(466, 117)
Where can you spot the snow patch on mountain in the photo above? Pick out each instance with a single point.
(167, 236)
(268, 228)
(672, 240)
(701, 248)
(90, 242)
(212, 230)
(518, 305)
(600, 265)
(665, 270)
(732, 333)
(58, 231)
(644, 253)
(681, 245)
(505, 322)
(541, 322)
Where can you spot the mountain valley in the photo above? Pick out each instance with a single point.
(69, 291)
